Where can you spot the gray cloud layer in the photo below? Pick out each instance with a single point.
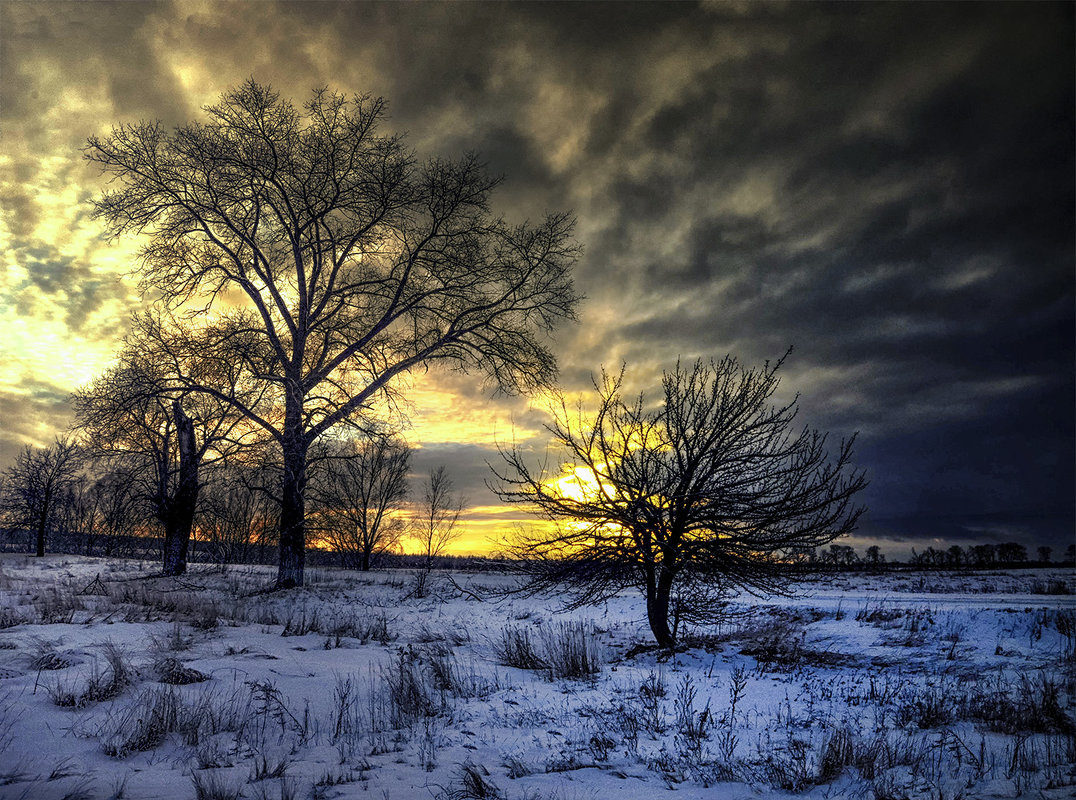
(887, 187)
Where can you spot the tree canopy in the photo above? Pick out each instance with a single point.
(683, 498)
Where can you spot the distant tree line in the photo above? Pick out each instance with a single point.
(978, 556)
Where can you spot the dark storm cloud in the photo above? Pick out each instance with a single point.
(465, 465)
(53, 48)
(912, 234)
(66, 282)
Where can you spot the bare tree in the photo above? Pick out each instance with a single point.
(360, 494)
(239, 513)
(235, 519)
(334, 262)
(682, 499)
(1044, 554)
(120, 512)
(157, 438)
(842, 555)
(982, 555)
(80, 515)
(434, 526)
(34, 487)
(1012, 553)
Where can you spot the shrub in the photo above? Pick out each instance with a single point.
(931, 707)
(9, 618)
(411, 695)
(171, 671)
(54, 606)
(1053, 586)
(449, 676)
(838, 753)
(1031, 705)
(692, 728)
(778, 641)
(572, 650)
(46, 658)
(145, 724)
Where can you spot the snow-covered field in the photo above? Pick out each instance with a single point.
(863, 686)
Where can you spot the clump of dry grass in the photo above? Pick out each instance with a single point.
(105, 684)
(568, 650)
(46, 658)
(211, 785)
(472, 783)
(170, 670)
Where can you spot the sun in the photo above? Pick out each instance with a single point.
(579, 483)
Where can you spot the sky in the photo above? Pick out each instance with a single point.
(887, 188)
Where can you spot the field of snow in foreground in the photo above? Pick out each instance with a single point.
(118, 684)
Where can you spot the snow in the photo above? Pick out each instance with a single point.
(888, 685)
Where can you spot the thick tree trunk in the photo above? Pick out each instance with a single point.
(179, 518)
(176, 542)
(292, 527)
(657, 613)
(293, 501)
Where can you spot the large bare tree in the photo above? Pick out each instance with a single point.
(35, 485)
(683, 498)
(333, 261)
(360, 494)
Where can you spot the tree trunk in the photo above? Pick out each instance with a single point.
(42, 522)
(179, 519)
(657, 613)
(293, 501)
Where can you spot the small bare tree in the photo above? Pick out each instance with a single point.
(683, 499)
(34, 487)
(360, 493)
(234, 519)
(80, 515)
(159, 439)
(120, 512)
(435, 524)
(239, 510)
